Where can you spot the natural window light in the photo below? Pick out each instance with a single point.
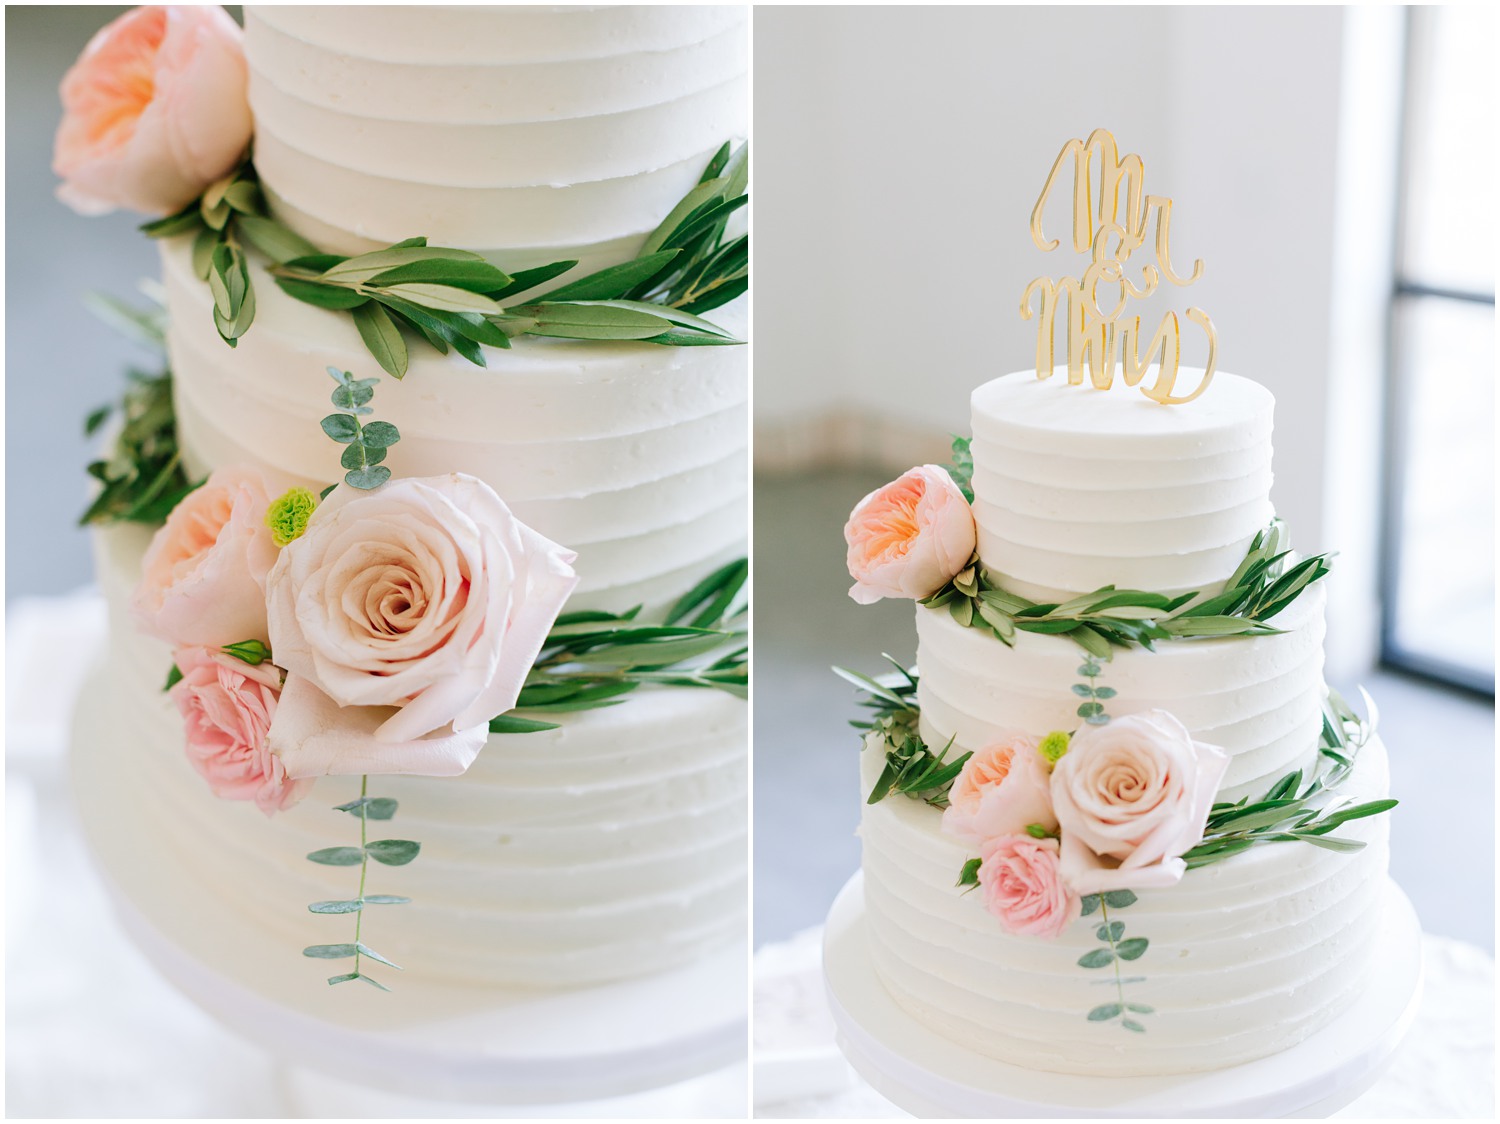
(1440, 513)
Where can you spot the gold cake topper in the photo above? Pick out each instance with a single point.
(1097, 337)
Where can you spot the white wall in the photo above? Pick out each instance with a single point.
(901, 150)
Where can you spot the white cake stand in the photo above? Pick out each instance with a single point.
(478, 1045)
(931, 1076)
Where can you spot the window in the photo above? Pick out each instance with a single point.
(1439, 561)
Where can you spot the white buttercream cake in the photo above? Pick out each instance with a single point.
(611, 847)
(1076, 488)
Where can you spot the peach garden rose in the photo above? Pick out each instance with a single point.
(204, 575)
(154, 110)
(910, 537)
(227, 707)
(424, 604)
(1132, 796)
(1023, 886)
(1002, 790)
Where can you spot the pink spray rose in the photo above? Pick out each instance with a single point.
(1131, 797)
(425, 598)
(910, 537)
(204, 576)
(227, 707)
(1002, 790)
(1023, 886)
(154, 111)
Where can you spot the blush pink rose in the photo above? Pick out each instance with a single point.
(154, 111)
(425, 597)
(227, 707)
(204, 576)
(1131, 797)
(910, 537)
(1003, 789)
(1023, 886)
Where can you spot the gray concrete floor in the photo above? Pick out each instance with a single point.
(806, 757)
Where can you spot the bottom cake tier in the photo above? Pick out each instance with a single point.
(1246, 957)
(612, 847)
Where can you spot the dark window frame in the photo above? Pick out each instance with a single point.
(1404, 292)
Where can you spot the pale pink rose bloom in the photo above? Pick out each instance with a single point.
(314, 737)
(227, 707)
(204, 575)
(910, 537)
(154, 111)
(1132, 796)
(425, 596)
(1023, 886)
(1003, 789)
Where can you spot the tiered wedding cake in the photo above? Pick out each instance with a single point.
(1116, 824)
(615, 844)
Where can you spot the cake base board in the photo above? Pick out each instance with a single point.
(931, 1076)
(476, 1044)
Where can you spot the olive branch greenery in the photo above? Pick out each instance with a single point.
(227, 217)
(1288, 812)
(388, 852)
(1264, 584)
(452, 299)
(911, 768)
(592, 658)
(141, 479)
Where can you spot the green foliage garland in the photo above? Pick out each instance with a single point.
(452, 299)
(592, 659)
(1266, 582)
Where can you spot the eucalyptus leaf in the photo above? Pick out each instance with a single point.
(337, 856)
(329, 951)
(393, 852)
(366, 950)
(353, 906)
(367, 479)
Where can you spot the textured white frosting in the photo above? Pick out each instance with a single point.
(631, 454)
(1076, 488)
(612, 847)
(1259, 698)
(1246, 957)
(526, 133)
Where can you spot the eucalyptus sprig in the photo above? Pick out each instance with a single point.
(1290, 812)
(593, 658)
(1265, 583)
(389, 852)
(911, 768)
(142, 478)
(365, 443)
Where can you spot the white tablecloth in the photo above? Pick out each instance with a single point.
(1444, 1070)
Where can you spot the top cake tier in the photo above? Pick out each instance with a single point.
(528, 134)
(1077, 488)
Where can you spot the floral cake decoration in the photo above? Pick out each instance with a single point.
(1064, 824)
(387, 625)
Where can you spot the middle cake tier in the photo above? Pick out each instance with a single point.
(1259, 698)
(631, 454)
